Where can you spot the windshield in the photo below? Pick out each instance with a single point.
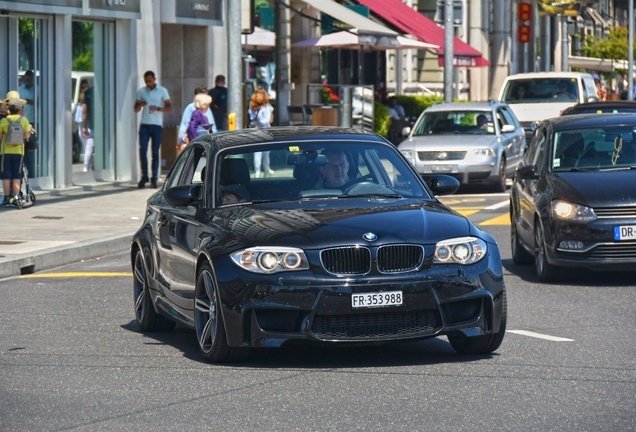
(455, 122)
(594, 148)
(541, 90)
(314, 170)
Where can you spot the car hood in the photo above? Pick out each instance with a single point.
(448, 142)
(319, 224)
(530, 112)
(596, 188)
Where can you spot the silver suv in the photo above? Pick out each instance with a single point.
(477, 143)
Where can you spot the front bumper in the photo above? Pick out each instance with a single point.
(599, 248)
(270, 310)
(484, 171)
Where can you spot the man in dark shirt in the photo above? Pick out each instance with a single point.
(219, 102)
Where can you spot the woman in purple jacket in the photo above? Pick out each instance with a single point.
(202, 103)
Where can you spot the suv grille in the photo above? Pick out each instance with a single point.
(438, 155)
(615, 212)
(349, 260)
(374, 326)
(399, 258)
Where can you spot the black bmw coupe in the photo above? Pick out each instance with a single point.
(264, 236)
(573, 199)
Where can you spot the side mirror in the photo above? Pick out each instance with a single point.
(180, 196)
(441, 184)
(508, 129)
(526, 172)
(592, 99)
(406, 131)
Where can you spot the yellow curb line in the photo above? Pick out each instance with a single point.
(52, 275)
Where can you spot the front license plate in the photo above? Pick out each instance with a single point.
(442, 168)
(378, 299)
(627, 232)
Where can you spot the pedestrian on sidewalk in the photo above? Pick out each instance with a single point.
(202, 104)
(84, 118)
(153, 100)
(14, 129)
(262, 115)
(219, 102)
(183, 139)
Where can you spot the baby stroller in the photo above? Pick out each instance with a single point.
(26, 197)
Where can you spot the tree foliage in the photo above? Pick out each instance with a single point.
(613, 47)
(83, 46)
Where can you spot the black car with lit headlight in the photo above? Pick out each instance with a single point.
(573, 199)
(251, 257)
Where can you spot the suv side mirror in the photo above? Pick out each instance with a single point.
(592, 99)
(441, 184)
(508, 129)
(526, 172)
(180, 196)
(406, 131)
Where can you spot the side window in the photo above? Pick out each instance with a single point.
(539, 156)
(508, 118)
(194, 167)
(500, 119)
(532, 148)
(177, 169)
(511, 118)
(585, 92)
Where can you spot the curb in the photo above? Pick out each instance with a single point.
(55, 257)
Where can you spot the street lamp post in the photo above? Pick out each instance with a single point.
(630, 54)
(449, 32)
(234, 66)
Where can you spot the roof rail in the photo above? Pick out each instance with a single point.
(437, 103)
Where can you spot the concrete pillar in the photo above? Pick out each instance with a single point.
(478, 37)
(283, 38)
(63, 152)
(500, 46)
(126, 154)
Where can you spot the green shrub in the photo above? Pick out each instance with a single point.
(414, 105)
(381, 119)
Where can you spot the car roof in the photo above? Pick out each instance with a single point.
(286, 133)
(539, 75)
(462, 106)
(584, 121)
(603, 105)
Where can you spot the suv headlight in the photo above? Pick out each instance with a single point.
(268, 260)
(485, 152)
(410, 155)
(462, 250)
(572, 212)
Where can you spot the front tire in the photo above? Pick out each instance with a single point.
(520, 255)
(208, 321)
(546, 272)
(482, 344)
(500, 186)
(147, 318)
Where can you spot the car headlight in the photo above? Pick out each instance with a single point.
(572, 212)
(410, 155)
(485, 152)
(268, 260)
(462, 250)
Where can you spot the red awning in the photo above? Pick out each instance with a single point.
(424, 29)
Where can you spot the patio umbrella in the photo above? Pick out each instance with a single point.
(353, 41)
(260, 37)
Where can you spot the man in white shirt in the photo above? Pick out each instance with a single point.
(153, 100)
(27, 93)
(187, 115)
(396, 112)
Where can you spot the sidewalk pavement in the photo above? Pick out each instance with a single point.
(70, 225)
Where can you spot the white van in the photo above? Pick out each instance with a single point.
(535, 97)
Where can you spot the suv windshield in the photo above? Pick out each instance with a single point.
(314, 170)
(594, 148)
(541, 90)
(455, 122)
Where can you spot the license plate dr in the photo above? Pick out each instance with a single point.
(625, 232)
(377, 299)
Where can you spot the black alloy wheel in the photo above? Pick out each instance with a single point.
(482, 344)
(546, 272)
(147, 318)
(500, 186)
(520, 255)
(208, 322)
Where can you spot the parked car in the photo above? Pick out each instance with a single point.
(477, 143)
(573, 200)
(248, 261)
(601, 107)
(538, 96)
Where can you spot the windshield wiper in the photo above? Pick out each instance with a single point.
(576, 169)
(371, 195)
(619, 168)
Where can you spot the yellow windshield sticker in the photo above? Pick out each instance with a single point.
(557, 163)
(294, 149)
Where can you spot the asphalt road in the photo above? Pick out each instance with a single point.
(72, 358)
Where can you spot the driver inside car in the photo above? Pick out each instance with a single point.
(335, 171)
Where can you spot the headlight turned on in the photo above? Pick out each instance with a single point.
(572, 212)
(462, 250)
(269, 260)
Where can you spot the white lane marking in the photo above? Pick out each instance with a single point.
(490, 195)
(498, 205)
(540, 336)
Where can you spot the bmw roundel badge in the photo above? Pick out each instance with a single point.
(370, 236)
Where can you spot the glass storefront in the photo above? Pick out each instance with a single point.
(33, 60)
(92, 100)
